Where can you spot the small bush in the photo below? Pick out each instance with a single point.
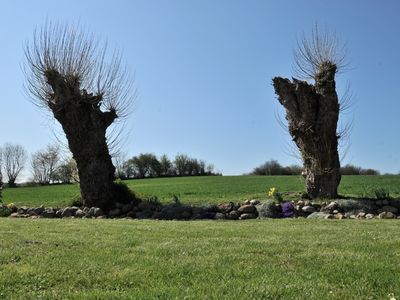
(381, 194)
(175, 199)
(77, 201)
(4, 211)
(123, 194)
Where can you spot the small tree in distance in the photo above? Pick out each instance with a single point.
(45, 163)
(14, 157)
(68, 74)
(312, 110)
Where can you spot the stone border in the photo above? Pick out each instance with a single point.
(250, 209)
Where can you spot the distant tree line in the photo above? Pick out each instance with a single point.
(51, 166)
(354, 170)
(148, 165)
(273, 167)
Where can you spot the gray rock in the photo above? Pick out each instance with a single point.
(79, 213)
(68, 211)
(247, 216)
(226, 207)
(59, 212)
(356, 206)
(254, 201)
(388, 208)
(361, 215)
(369, 216)
(317, 206)
(211, 208)
(174, 212)
(318, 215)
(95, 212)
(49, 213)
(145, 214)
(131, 214)
(331, 206)
(339, 216)
(386, 215)
(347, 215)
(268, 209)
(127, 208)
(309, 209)
(329, 216)
(395, 203)
(234, 215)
(39, 210)
(22, 210)
(247, 202)
(220, 216)
(114, 212)
(32, 213)
(247, 209)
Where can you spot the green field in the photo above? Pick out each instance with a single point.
(131, 259)
(198, 190)
(254, 259)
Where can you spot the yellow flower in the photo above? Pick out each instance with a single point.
(271, 192)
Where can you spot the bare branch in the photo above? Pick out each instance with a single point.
(83, 63)
(321, 50)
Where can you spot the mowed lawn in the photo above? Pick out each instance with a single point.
(255, 259)
(197, 190)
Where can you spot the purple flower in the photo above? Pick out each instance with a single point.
(287, 209)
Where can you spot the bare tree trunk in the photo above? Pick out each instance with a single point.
(85, 127)
(312, 112)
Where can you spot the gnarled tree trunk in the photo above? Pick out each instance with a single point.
(312, 112)
(85, 127)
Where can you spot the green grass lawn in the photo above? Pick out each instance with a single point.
(205, 189)
(131, 259)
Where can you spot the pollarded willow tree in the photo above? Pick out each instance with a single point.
(312, 110)
(68, 73)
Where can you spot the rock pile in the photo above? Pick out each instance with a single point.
(250, 209)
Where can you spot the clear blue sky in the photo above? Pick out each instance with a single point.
(204, 69)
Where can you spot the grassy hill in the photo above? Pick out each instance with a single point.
(206, 189)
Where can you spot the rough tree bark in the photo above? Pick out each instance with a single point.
(85, 127)
(86, 89)
(312, 112)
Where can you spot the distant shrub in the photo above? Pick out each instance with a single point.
(273, 167)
